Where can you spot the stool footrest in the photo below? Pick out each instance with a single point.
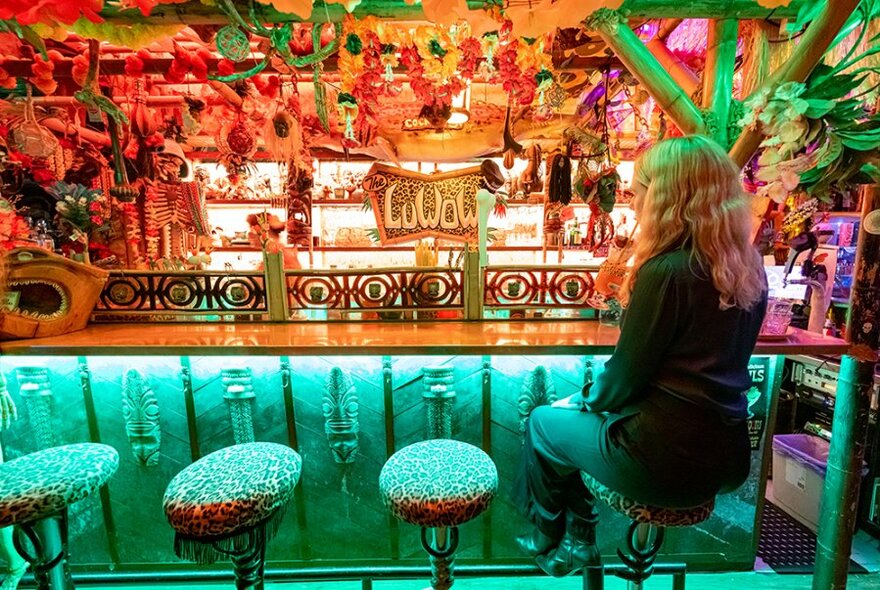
(593, 577)
(207, 550)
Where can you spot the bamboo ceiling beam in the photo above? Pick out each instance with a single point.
(194, 12)
(811, 47)
(682, 74)
(642, 64)
(718, 75)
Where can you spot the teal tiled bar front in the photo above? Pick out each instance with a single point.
(346, 414)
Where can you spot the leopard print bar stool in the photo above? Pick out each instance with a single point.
(230, 503)
(35, 491)
(438, 485)
(645, 536)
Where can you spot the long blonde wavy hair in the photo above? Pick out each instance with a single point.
(694, 195)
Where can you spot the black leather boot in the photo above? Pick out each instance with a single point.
(536, 543)
(576, 549)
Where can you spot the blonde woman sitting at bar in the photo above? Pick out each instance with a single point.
(265, 229)
(665, 422)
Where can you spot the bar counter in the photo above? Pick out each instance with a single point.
(346, 396)
(373, 338)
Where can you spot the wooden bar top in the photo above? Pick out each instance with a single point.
(365, 338)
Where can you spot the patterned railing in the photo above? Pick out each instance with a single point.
(539, 287)
(180, 295)
(387, 293)
(349, 295)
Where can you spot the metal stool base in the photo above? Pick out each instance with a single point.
(48, 539)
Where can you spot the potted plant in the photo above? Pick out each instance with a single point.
(79, 213)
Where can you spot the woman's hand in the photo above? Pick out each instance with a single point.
(8, 412)
(572, 402)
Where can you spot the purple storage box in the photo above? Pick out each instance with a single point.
(808, 450)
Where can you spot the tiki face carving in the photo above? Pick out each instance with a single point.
(340, 408)
(48, 294)
(140, 410)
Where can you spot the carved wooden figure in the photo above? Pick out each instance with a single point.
(140, 410)
(50, 294)
(340, 408)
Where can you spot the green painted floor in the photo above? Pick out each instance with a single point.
(736, 581)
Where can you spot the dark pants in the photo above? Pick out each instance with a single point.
(661, 451)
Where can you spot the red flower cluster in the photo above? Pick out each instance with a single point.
(186, 62)
(431, 94)
(50, 12)
(225, 67)
(471, 51)
(12, 227)
(42, 72)
(134, 63)
(79, 71)
(268, 86)
(38, 169)
(519, 84)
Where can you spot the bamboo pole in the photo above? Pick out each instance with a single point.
(682, 74)
(811, 47)
(840, 496)
(649, 72)
(718, 74)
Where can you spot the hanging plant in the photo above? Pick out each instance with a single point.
(822, 136)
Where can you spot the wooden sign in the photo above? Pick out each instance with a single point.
(410, 205)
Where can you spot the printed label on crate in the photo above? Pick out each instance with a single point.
(796, 475)
(410, 205)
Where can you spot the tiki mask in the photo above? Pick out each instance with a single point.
(47, 294)
(340, 409)
(140, 410)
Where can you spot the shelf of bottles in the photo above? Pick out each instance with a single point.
(341, 224)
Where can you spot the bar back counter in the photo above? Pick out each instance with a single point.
(346, 395)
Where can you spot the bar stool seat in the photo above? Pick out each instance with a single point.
(232, 490)
(41, 484)
(645, 537)
(35, 491)
(438, 485)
